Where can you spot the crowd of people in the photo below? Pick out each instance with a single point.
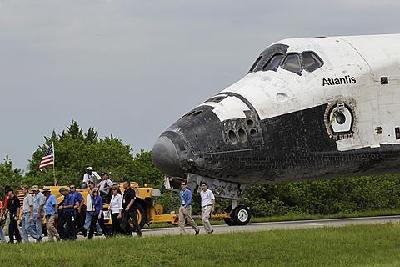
(72, 215)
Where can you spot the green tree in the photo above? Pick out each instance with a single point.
(76, 150)
(9, 177)
(144, 171)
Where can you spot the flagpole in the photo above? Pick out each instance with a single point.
(54, 168)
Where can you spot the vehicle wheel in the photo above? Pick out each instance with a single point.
(44, 229)
(141, 216)
(241, 215)
(229, 221)
(107, 230)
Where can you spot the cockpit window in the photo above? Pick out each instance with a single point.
(292, 63)
(216, 99)
(311, 61)
(276, 56)
(266, 56)
(273, 63)
(253, 67)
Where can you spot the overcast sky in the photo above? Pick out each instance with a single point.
(131, 68)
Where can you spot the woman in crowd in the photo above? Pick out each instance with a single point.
(95, 212)
(3, 218)
(116, 210)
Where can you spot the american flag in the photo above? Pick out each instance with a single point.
(48, 158)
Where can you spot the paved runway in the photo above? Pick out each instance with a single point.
(305, 224)
(254, 227)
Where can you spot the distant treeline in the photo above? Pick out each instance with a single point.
(344, 195)
(75, 150)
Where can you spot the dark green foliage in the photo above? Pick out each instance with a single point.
(76, 150)
(169, 200)
(144, 171)
(344, 195)
(9, 177)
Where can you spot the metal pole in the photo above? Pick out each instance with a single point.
(54, 168)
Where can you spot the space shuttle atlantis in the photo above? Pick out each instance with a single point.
(308, 108)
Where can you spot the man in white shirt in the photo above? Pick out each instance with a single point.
(207, 206)
(90, 176)
(27, 214)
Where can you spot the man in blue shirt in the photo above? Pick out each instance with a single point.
(185, 211)
(51, 211)
(67, 215)
(79, 218)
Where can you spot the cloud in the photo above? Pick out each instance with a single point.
(133, 67)
(361, 4)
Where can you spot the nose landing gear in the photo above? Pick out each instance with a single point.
(237, 214)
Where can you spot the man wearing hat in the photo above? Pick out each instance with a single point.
(39, 200)
(90, 176)
(51, 213)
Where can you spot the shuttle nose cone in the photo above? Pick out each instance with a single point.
(165, 157)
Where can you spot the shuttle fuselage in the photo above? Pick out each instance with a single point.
(308, 108)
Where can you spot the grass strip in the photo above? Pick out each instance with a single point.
(357, 245)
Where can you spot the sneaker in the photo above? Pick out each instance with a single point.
(210, 232)
(197, 231)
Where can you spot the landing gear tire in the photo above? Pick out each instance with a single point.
(238, 216)
(228, 221)
(241, 215)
